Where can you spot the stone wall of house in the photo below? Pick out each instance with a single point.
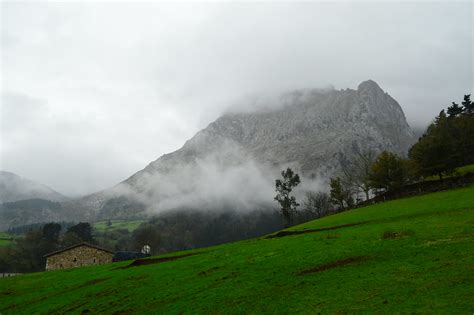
(78, 257)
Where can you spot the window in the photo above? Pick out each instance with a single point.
(93, 260)
(75, 259)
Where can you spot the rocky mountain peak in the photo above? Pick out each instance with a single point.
(314, 131)
(369, 85)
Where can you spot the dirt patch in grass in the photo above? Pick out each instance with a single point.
(233, 274)
(139, 277)
(92, 282)
(208, 271)
(389, 234)
(335, 264)
(289, 233)
(151, 261)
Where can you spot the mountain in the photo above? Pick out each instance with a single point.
(231, 165)
(23, 201)
(238, 156)
(29, 211)
(15, 188)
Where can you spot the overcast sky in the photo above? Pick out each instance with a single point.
(93, 92)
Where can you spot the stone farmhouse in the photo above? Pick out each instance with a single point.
(79, 255)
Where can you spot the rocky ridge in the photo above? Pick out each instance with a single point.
(314, 131)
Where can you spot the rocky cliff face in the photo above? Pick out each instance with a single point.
(239, 155)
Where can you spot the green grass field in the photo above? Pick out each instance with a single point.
(465, 169)
(5, 239)
(101, 226)
(408, 255)
(458, 171)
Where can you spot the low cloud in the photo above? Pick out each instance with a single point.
(219, 180)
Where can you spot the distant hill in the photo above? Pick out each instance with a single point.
(14, 188)
(29, 211)
(23, 201)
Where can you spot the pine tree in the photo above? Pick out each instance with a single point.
(468, 106)
(455, 110)
(435, 153)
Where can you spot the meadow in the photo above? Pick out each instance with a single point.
(463, 170)
(5, 239)
(103, 226)
(408, 255)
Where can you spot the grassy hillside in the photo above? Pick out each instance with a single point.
(414, 254)
(463, 170)
(5, 239)
(131, 226)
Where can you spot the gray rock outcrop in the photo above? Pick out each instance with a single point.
(314, 131)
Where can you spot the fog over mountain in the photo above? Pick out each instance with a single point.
(15, 188)
(235, 160)
(92, 91)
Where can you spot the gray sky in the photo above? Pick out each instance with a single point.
(93, 92)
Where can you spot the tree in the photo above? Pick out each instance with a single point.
(146, 234)
(339, 194)
(454, 110)
(357, 174)
(389, 172)
(447, 143)
(6, 259)
(51, 232)
(317, 204)
(435, 153)
(83, 231)
(463, 140)
(283, 187)
(467, 104)
(28, 253)
(70, 238)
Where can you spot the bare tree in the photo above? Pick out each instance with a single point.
(357, 173)
(339, 194)
(317, 204)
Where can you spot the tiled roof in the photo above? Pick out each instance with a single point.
(77, 245)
